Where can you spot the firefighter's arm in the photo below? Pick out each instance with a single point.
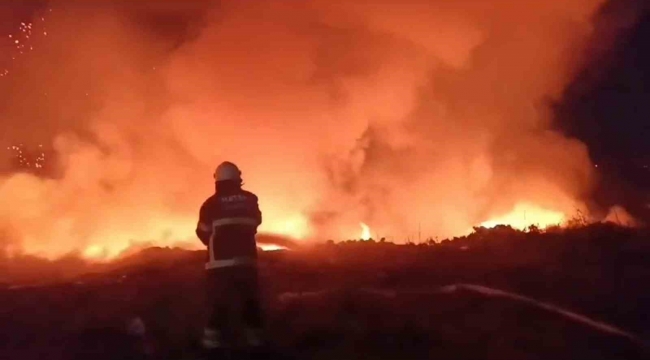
(257, 213)
(204, 227)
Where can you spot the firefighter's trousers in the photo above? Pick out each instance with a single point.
(234, 295)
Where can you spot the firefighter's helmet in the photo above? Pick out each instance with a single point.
(227, 171)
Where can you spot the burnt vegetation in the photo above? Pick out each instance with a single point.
(355, 299)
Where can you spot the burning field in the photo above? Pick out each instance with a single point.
(399, 123)
(418, 121)
(497, 294)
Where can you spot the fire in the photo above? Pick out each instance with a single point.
(393, 125)
(272, 247)
(522, 216)
(525, 215)
(365, 232)
(96, 252)
(113, 250)
(293, 226)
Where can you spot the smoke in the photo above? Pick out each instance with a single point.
(400, 114)
(471, 141)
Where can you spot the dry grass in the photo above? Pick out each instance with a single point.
(596, 270)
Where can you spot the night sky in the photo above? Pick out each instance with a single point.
(608, 107)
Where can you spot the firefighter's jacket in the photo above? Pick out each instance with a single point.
(228, 223)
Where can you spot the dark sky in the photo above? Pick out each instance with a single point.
(611, 114)
(608, 107)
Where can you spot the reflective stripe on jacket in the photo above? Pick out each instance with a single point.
(227, 225)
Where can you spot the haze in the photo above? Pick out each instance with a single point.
(405, 116)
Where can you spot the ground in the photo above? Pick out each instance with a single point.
(360, 300)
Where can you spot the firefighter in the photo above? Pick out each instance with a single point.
(228, 222)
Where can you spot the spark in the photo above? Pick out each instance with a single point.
(21, 40)
(25, 159)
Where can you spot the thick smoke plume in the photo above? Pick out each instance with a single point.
(409, 116)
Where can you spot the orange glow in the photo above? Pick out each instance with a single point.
(365, 232)
(97, 252)
(292, 226)
(272, 247)
(115, 249)
(525, 215)
(413, 116)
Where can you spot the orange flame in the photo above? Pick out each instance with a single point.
(525, 215)
(272, 247)
(365, 232)
(134, 166)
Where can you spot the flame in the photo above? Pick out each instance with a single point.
(294, 226)
(96, 252)
(272, 247)
(171, 232)
(102, 253)
(365, 232)
(525, 215)
(366, 130)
